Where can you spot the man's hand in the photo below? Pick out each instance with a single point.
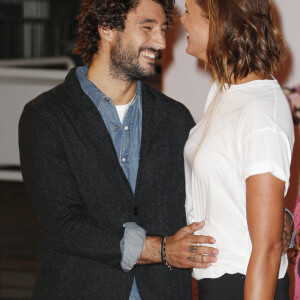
(183, 249)
(287, 231)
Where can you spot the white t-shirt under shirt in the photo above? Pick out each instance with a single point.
(122, 110)
(246, 130)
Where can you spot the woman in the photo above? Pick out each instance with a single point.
(237, 158)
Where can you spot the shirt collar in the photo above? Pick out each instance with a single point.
(94, 93)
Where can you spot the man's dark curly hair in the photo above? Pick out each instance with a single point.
(109, 14)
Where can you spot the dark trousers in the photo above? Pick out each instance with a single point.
(231, 287)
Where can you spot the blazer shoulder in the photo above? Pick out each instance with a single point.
(48, 99)
(60, 95)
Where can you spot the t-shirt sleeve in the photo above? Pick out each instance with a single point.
(266, 150)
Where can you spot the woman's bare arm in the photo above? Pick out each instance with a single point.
(265, 222)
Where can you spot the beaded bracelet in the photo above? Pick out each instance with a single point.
(163, 253)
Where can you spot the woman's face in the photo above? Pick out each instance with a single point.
(196, 25)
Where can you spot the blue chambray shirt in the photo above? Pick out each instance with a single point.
(125, 136)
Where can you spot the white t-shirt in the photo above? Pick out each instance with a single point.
(246, 130)
(122, 110)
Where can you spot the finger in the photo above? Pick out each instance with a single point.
(202, 239)
(285, 240)
(287, 219)
(284, 249)
(206, 250)
(200, 265)
(197, 262)
(288, 241)
(286, 230)
(201, 258)
(194, 227)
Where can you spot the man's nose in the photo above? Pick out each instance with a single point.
(159, 40)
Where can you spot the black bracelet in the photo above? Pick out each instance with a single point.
(161, 250)
(163, 253)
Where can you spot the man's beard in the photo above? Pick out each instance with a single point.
(125, 65)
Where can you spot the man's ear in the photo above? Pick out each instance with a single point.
(106, 34)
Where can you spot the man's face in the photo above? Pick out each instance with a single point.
(134, 50)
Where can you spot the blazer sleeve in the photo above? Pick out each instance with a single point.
(66, 225)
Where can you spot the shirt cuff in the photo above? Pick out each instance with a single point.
(131, 245)
(291, 245)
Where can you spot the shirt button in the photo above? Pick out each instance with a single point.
(126, 128)
(106, 99)
(123, 159)
(117, 127)
(135, 211)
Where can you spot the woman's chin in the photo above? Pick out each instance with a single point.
(189, 52)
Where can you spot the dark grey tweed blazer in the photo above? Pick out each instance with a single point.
(82, 198)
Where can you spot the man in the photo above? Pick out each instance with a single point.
(102, 160)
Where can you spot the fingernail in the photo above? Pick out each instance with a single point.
(213, 259)
(207, 264)
(212, 240)
(215, 251)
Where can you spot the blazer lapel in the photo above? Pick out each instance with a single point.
(152, 122)
(89, 117)
(92, 125)
(99, 134)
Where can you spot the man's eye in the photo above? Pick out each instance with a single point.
(147, 27)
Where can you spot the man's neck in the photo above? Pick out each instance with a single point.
(121, 92)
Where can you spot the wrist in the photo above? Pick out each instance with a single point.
(164, 253)
(151, 253)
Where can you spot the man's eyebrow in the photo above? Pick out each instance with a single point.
(151, 21)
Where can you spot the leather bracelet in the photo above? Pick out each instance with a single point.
(163, 253)
(161, 250)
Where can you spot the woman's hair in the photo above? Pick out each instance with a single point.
(109, 14)
(242, 39)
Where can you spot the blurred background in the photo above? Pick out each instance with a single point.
(37, 28)
(37, 38)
